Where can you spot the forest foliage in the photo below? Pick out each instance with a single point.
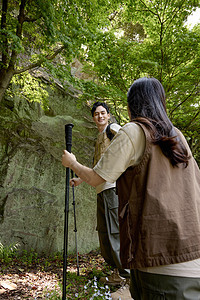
(116, 42)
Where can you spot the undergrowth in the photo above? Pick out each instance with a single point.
(83, 286)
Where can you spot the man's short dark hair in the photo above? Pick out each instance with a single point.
(96, 104)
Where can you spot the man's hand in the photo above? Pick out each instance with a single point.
(68, 159)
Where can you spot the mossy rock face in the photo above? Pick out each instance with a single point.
(33, 180)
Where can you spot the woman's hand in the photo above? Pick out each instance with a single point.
(86, 174)
(68, 159)
(75, 181)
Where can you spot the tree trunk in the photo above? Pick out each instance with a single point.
(5, 79)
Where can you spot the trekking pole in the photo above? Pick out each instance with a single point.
(68, 139)
(75, 228)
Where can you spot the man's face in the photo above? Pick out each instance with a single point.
(101, 117)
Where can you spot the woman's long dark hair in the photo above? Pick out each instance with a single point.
(146, 102)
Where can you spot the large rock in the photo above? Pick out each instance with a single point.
(32, 178)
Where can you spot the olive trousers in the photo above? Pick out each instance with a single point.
(149, 286)
(108, 229)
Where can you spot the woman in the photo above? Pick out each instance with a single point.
(158, 184)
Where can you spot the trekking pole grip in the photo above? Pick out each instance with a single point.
(68, 136)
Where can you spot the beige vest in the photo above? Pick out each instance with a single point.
(101, 145)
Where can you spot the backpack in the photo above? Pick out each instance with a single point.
(109, 134)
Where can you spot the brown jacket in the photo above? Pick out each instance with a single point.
(159, 210)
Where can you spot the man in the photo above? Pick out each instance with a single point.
(107, 201)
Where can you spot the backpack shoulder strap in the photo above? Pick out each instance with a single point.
(109, 134)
